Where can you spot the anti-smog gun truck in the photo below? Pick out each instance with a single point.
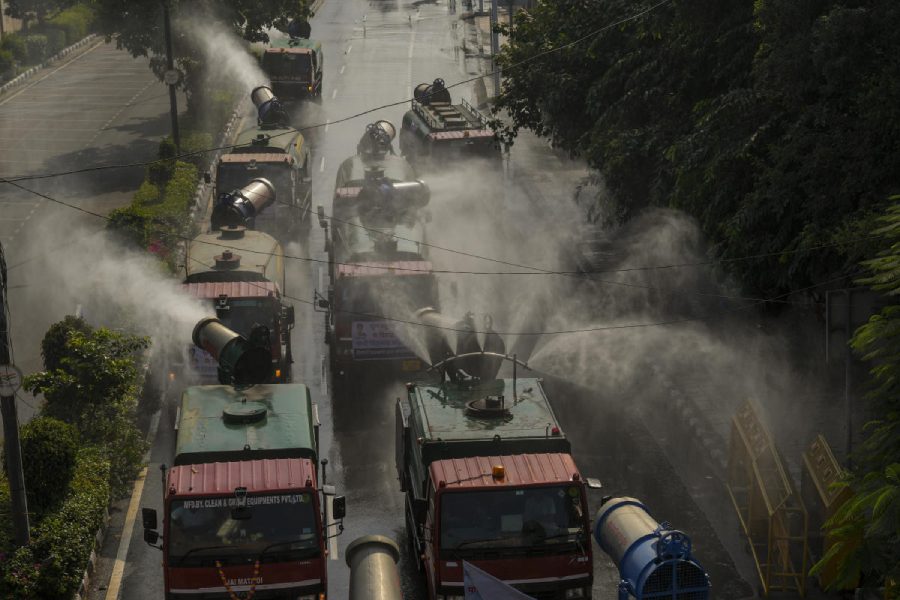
(244, 511)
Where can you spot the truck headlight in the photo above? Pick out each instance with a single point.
(576, 593)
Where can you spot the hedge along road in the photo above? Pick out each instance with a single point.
(98, 107)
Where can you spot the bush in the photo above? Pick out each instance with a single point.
(56, 40)
(53, 564)
(7, 62)
(192, 144)
(6, 527)
(15, 43)
(36, 48)
(76, 22)
(53, 346)
(49, 447)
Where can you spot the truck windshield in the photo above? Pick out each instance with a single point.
(242, 315)
(201, 531)
(234, 176)
(530, 519)
(287, 65)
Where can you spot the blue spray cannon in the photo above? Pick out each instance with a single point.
(653, 559)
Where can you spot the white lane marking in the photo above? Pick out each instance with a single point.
(342, 69)
(349, 48)
(334, 94)
(60, 68)
(409, 63)
(322, 165)
(327, 124)
(115, 580)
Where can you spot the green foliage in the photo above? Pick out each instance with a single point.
(867, 527)
(773, 123)
(56, 39)
(6, 528)
(159, 222)
(36, 46)
(15, 44)
(53, 346)
(7, 62)
(94, 388)
(53, 564)
(49, 447)
(35, 10)
(76, 22)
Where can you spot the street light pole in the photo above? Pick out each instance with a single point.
(10, 379)
(495, 47)
(171, 77)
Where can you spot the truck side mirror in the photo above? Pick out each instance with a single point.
(419, 507)
(207, 178)
(320, 212)
(593, 483)
(323, 303)
(339, 507)
(289, 314)
(151, 536)
(148, 516)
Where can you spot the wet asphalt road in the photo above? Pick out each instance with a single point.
(370, 63)
(99, 106)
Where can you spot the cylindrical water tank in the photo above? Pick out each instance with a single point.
(240, 362)
(654, 561)
(426, 93)
(241, 207)
(373, 568)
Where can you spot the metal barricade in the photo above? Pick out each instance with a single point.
(820, 471)
(771, 513)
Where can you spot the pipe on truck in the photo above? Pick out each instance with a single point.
(241, 207)
(240, 362)
(441, 327)
(653, 559)
(373, 568)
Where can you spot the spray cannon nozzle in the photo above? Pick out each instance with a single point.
(240, 362)
(270, 110)
(481, 367)
(299, 28)
(377, 139)
(241, 207)
(382, 199)
(430, 93)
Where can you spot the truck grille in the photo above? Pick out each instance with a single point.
(677, 581)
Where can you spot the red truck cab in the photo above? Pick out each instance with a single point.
(522, 518)
(275, 548)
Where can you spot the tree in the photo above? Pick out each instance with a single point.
(49, 447)
(94, 388)
(867, 527)
(36, 10)
(53, 346)
(137, 26)
(772, 123)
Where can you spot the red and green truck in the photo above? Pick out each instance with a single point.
(244, 513)
(489, 479)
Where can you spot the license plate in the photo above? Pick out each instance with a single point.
(411, 365)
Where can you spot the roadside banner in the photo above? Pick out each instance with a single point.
(479, 585)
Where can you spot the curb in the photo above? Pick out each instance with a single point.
(19, 79)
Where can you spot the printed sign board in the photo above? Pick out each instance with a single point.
(376, 340)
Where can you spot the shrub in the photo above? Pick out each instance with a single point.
(53, 346)
(76, 22)
(53, 564)
(7, 62)
(6, 528)
(192, 144)
(49, 447)
(56, 40)
(15, 43)
(36, 48)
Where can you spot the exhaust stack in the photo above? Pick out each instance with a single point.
(239, 208)
(240, 362)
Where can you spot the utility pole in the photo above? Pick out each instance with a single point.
(171, 77)
(10, 380)
(495, 47)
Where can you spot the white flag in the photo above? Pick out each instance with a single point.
(479, 585)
